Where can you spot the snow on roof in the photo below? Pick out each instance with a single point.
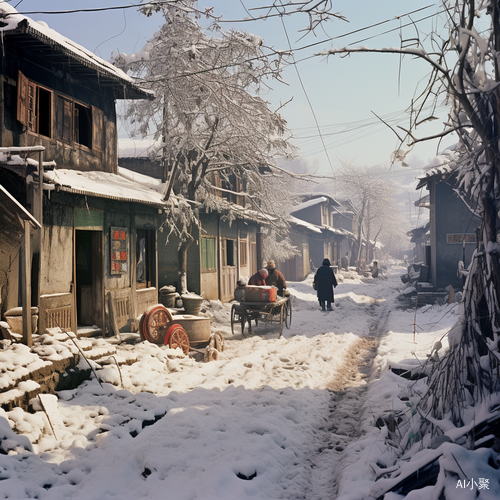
(13, 22)
(339, 230)
(143, 179)
(102, 185)
(443, 164)
(310, 203)
(303, 223)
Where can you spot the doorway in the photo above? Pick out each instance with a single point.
(89, 278)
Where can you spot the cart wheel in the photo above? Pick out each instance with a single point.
(219, 341)
(288, 313)
(237, 316)
(141, 326)
(282, 319)
(177, 337)
(211, 354)
(156, 323)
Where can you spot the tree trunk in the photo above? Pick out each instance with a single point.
(182, 259)
(360, 235)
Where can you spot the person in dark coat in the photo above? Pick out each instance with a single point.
(275, 278)
(259, 278)
(324, 283)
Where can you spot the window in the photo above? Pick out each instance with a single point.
(228, 247)
(243, 253)
(208, 253)
(34, 106)
(146, 261)
(82, 125)
(74, 123)
(64, 119)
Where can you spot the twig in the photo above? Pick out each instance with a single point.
(459, 466)
(48, 418)
(119, 371)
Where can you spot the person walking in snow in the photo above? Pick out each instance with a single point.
(324, 283)
(259, 278)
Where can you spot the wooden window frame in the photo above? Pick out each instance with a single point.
(243, 253)
(226, 262)
(204, 258)
(28, 106)
(148, 253)
(64, 119)
(28, 114)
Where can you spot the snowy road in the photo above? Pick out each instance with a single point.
(270, 418)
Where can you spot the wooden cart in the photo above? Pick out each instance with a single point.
(279, 312)
(158, 326)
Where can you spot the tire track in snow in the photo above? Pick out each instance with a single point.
(346, 410)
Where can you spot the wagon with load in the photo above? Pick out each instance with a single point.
(260, 303)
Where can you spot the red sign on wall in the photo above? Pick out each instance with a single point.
(119, 245)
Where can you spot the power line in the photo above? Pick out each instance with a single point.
(99, 9)
(375, 25)
(308, 100)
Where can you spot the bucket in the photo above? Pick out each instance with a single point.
(192, 304)
(168, 296)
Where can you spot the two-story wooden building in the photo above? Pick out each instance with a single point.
(227, 243)
(96, 252)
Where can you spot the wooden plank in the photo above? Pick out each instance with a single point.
(112, 316)
(26, 284)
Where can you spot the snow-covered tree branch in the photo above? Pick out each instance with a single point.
(465, 68)
(209, 118)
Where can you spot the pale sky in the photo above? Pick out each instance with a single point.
(342, 93)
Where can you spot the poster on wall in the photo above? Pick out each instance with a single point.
(119, 250)
(458, 239)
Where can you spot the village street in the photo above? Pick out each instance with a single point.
(284, 418)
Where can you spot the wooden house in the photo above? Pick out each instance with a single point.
(95, 258)
(334, 219)
(227, 243)
(452, 225)
(303, 237)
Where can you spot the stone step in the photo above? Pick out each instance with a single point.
(122, 359)
(100, 353)
(88, 331)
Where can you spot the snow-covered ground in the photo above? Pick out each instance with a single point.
(273, 418)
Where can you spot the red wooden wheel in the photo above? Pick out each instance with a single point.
(175, 337)
(141, 326)
(156, 323)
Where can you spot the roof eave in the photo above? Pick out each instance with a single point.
(68, 189)
(121, 87)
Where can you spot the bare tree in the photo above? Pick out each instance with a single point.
(208, 117)
(373, 198)
(465, 68)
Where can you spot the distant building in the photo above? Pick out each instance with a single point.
(335, 219)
